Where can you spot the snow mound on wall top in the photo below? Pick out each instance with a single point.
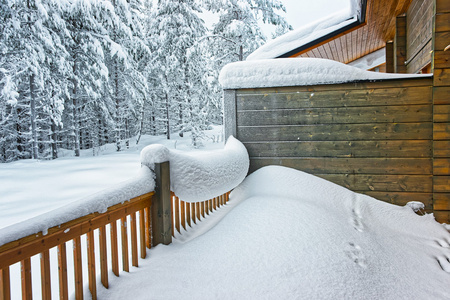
(199, 176)
(295, 72)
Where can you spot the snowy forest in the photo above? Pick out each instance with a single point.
(78, 74)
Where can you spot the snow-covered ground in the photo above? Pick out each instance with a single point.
(286, 234)
(31, 187)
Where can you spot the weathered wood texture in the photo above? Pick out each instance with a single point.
(400, 45)
(419, 25)
(379, 28)
(371, 137)
(441, 117)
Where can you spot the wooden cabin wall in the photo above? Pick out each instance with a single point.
(419, 25)
(441, 101)
(372, 137)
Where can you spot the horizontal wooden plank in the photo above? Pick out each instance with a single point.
(441, 148)
(442, 6)
(401, 198)
(441, 184)
(442, 59)
(442, 23)
(366, 85)
(273, 99)
(405, 148)
(441, 77)
(382, 183)
(441, 166)
(345, 132)
(442, 113)
(373, 166)
(441, 95)
(441, 201)
(31, 245)
(441, 131)
(442, 39)
(442, 216)
(342, 115)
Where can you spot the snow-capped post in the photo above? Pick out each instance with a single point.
(161, 210)
(230, 114)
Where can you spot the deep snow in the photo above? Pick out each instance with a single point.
(286, 234)
(296, 72)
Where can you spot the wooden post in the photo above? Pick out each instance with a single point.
(161, 207)
(390, 57)
(400, 44)
(5, 286)
(441, 111)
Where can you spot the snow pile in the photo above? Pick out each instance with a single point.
(303, 35)
(99, 202)
(199, 176)
(291, 235)
(295, 72)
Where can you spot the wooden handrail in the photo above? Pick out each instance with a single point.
(182, 215)
(23, 249)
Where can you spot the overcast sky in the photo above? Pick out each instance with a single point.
(301, 12)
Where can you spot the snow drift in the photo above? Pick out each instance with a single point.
(290, 235)
(296, 72)
(199, 176)
(99, 202)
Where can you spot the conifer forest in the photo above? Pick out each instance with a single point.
(77, 74)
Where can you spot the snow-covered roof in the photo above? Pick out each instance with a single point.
(296, 72)
(311, 33)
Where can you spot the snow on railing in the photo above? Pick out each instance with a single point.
(153, 217)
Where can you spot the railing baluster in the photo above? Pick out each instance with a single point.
(78, 272)
(197, 209)
(148, 234)
(5, 286)
(45, 275)
(215, 203)
(207, 207)
(203, 208)
(125, 263)
(210, 205)
(188, 213)
(25, 268)
(103, 256)
(183, 214)
(193, 213)
(177, 214)
(114, 248)
(91, 264)
(172, 209)
(134, 248)
(142, 233)
(62, 272)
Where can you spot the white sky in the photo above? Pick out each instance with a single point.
(302, 12)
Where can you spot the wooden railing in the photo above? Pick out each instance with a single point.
(185, 213)
(152, 218)
(23, 249)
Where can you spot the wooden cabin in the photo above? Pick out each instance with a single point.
(387, 138)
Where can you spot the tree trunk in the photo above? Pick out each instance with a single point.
(167, 117)
(54, 137)
(34, 146)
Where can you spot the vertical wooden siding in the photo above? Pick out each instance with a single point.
(419, 24)
(374, 138)
(441, 100)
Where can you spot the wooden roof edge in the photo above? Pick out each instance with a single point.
(360, 22)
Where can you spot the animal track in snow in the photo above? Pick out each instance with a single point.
(356, 219)
(444, 263)
(356, 254)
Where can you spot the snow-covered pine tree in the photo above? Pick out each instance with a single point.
(32, 59)
(173, 30)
